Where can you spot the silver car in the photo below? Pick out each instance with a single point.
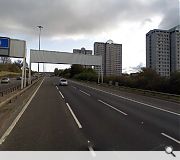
(63, 82)
(5, 80)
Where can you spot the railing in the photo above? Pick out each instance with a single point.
(161, 95)
(145, 92)
(20, 92)
(13, 88)
(10, 89)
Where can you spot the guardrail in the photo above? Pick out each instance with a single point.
(10, 90)
(146, 92)
(13, 88)
(9, 100)
(161, 95)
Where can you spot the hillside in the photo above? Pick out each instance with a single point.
(9, 70)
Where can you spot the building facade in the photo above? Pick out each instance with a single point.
(175, 48)
(83, 51)
(162, 51)
(111, 57)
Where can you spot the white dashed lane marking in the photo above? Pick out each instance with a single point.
(74, 116)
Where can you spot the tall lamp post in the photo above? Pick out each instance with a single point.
(40, 28)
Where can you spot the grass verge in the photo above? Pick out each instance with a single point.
(8, 74)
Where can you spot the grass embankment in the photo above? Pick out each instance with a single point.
(9, 74)
(9, 70)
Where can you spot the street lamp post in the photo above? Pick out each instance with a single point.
(40, 28)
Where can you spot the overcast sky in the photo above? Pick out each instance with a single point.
(72, 24)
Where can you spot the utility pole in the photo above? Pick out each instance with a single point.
(40, 28)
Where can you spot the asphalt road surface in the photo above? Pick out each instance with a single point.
(78, 117)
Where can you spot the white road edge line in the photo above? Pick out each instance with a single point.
(8, 131)
(167, 136)
(57, 88)
(177, 114)
(74, 116)
(85, 93)
(112, 107)
(61, 94)
(92, 151)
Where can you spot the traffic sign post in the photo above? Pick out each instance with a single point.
(23, 79)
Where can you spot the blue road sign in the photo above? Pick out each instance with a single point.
(4, 42)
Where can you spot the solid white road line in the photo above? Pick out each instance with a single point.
(132, 100)
(175, 140)
(85, 93)
(92, 151)
(112, 107)
(61, 94)
(57, 88)
(8, 131)
(74, 116)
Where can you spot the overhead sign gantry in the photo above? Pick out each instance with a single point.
(54, 57)
(16, 49)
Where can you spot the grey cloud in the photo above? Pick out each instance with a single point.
(172, 15)
(73, 17)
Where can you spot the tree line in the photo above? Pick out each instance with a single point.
(6, 64)
(146, 79)
(77, 72)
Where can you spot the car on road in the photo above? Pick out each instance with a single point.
(18, 78)
(63, 82)
(5, 80)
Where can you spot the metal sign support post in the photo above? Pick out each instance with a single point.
(29, 81)
(23, 71)
(43, 67)
(102, 79)
(99, 74)
(25, 75)
(22, 78)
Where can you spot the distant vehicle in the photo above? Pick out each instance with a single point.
(5, 80)
(18, 78)
(63, 82)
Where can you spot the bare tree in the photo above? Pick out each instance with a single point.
(18, 63)
(5, 60)
(138, 68)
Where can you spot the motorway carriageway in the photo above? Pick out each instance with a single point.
(80, 117)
